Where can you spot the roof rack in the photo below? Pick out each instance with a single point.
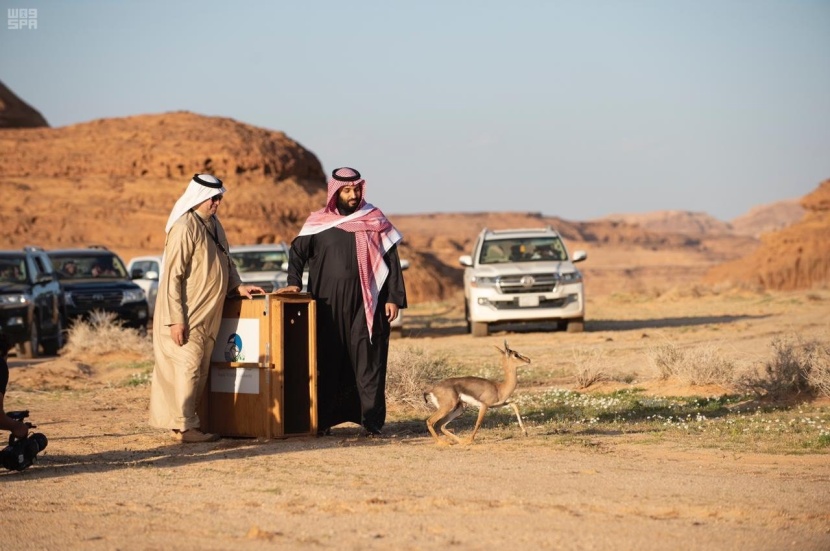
(547, 229)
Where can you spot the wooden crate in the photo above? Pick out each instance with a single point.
(263, 371)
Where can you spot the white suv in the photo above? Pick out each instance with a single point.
(522, 275)
(145, 271)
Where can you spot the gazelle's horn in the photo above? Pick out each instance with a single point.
(520, 356)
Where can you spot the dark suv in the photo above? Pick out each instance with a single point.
(96, 279)
(31, 302)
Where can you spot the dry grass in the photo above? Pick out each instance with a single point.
(410, 371)
(696, 366)
(591, 367)
(104, 334)
(797, 366)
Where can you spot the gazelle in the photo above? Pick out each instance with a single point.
(452, 395)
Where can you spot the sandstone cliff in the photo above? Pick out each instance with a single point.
(114, 181)
(796, 257)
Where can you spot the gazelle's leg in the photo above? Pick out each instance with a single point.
(481, 411)
(430, 423)
(518, 416)
(438, 417)
(458, 410)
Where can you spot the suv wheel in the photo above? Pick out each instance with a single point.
(30, 348)
(480, 329)
(576, 325)
(467, 316)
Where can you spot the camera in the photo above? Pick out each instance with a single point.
(21, 453)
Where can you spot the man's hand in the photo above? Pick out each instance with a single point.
(288, 289)
(20, 430)
(391, 311)
(178, 331)
(248, 290)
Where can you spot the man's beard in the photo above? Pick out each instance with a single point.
(344, 208)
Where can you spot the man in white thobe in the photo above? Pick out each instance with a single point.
(198, 275)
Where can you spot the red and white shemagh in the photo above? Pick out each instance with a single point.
(374, 236)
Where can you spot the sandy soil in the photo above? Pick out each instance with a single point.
(108, 481)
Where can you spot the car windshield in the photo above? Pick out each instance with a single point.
(522, 249)
(12, 270)
(258, 261)
(83, 266)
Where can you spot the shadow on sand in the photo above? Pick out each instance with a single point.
(166, 456)
(437, 326)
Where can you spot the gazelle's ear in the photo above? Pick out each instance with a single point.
(499, 349)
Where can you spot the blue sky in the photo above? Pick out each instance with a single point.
(577, 109)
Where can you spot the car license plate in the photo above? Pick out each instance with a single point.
(528, 301)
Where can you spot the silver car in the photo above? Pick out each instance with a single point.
(261, 264)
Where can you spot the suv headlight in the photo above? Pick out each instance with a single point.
(571, 277)
(14, 300)
(481, 281)
(132, 295)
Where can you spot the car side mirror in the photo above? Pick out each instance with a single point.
(466, 260)
(579, 256)
(404, 264)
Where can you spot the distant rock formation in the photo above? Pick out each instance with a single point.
(113, 182)
(766, 218)
(796, 257)
(674, 221)
(16, 113)
(166, 146)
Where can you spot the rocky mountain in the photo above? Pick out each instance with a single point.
(758, 220)
(675, 221)
(16, 113)
(796, 257)
(112, 182)
(767, 218)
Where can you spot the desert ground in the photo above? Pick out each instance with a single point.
(109, 481)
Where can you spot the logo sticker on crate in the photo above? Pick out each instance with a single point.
(237, 341)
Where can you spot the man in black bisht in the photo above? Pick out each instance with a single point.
(356, 279)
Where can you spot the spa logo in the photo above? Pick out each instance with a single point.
(22, 18)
